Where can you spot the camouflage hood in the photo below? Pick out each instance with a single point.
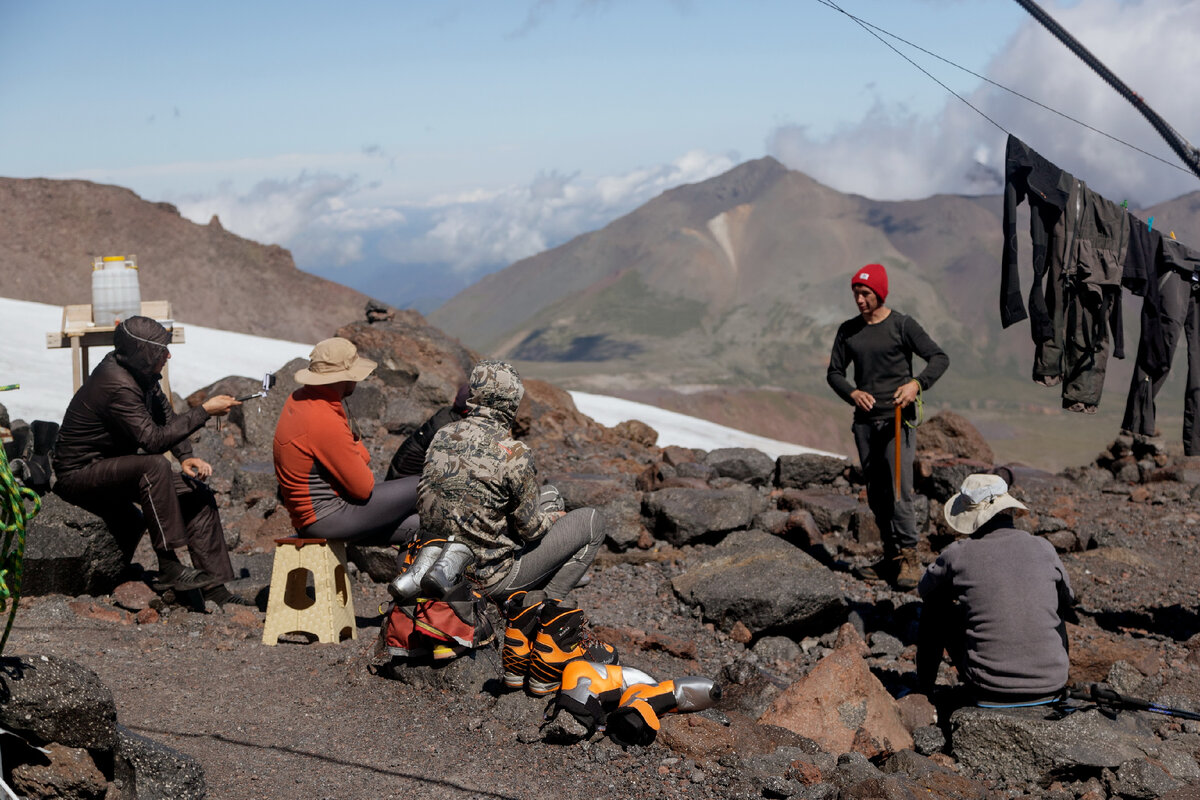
(495, 386)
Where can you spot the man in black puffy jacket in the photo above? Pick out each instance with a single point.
(410, 456)
(109, 456)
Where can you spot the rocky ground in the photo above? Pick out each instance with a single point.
(722, 564)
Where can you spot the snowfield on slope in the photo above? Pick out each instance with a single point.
(209, 354)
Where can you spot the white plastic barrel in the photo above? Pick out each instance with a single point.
(115, 291)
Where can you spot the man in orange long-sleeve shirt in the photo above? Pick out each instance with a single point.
(323, 468)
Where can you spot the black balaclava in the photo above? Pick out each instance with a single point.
(139, 345)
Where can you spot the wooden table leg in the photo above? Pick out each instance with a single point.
(76, 364)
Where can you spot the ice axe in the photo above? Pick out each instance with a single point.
(899, 430)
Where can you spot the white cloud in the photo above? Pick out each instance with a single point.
(1149, 44)
(326, 222)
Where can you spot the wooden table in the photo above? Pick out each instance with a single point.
(79, 333)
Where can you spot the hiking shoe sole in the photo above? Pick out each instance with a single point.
(189, 578)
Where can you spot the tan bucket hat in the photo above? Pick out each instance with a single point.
(980, 498)
(334, 360)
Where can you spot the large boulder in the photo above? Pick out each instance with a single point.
(682, 516)
(255, 418)
(51, 699)
(948, 434)
(743, 464)
(842, 706)
(156, 771)
(809, 469)
(69, 551)
(414, 356)
(622, 522)
(381, 562)
(1022, 745)
(763, 582)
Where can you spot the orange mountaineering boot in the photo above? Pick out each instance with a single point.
(521, 612)
(563, 636)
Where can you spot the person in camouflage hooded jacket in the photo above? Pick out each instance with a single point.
(480, 486)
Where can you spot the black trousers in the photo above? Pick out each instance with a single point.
(177, 510)
(895, 516)
(1179, 315)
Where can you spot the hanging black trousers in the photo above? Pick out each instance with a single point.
(1177, 314)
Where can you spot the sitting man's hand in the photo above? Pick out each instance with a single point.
(196, 468)
(219, 405)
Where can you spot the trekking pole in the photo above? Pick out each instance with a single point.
(1108, 698)
(899, 431)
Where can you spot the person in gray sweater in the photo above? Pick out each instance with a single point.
(996, 602)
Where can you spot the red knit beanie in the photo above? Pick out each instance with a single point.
(874, 277)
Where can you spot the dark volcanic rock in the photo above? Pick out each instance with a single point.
(684, 515)
(256, 418)
(764, 583)
(413, 355)
(799, 472)
(946, 477)
(623, 522)
(380, 562)
(55, 700)
(830, 510)
(1022, 745)
(156, 771)
(742, 464)
(69, 551)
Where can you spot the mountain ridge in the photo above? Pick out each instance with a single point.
(54, 228)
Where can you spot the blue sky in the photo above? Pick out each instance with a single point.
(407, 148)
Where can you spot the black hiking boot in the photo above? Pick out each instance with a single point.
(221, 595)
(174, 575)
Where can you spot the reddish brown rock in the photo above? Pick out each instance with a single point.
(133, 595)
(680, 648)
(675, 455)
(740, 633)
(70, 772)
(636, 431)
(801, 524)
(247, 618)
(100, 611)
(849, 639)
(841, 706)
(948, 434)
(916, 711)
(147, 616)
(1093, 653)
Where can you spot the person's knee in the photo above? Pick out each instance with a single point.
(156, 469)
(595, 529)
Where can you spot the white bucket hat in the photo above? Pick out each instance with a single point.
(980, 498)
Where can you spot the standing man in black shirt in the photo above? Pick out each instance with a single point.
(880, 344)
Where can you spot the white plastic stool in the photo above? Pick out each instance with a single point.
(329, 615)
